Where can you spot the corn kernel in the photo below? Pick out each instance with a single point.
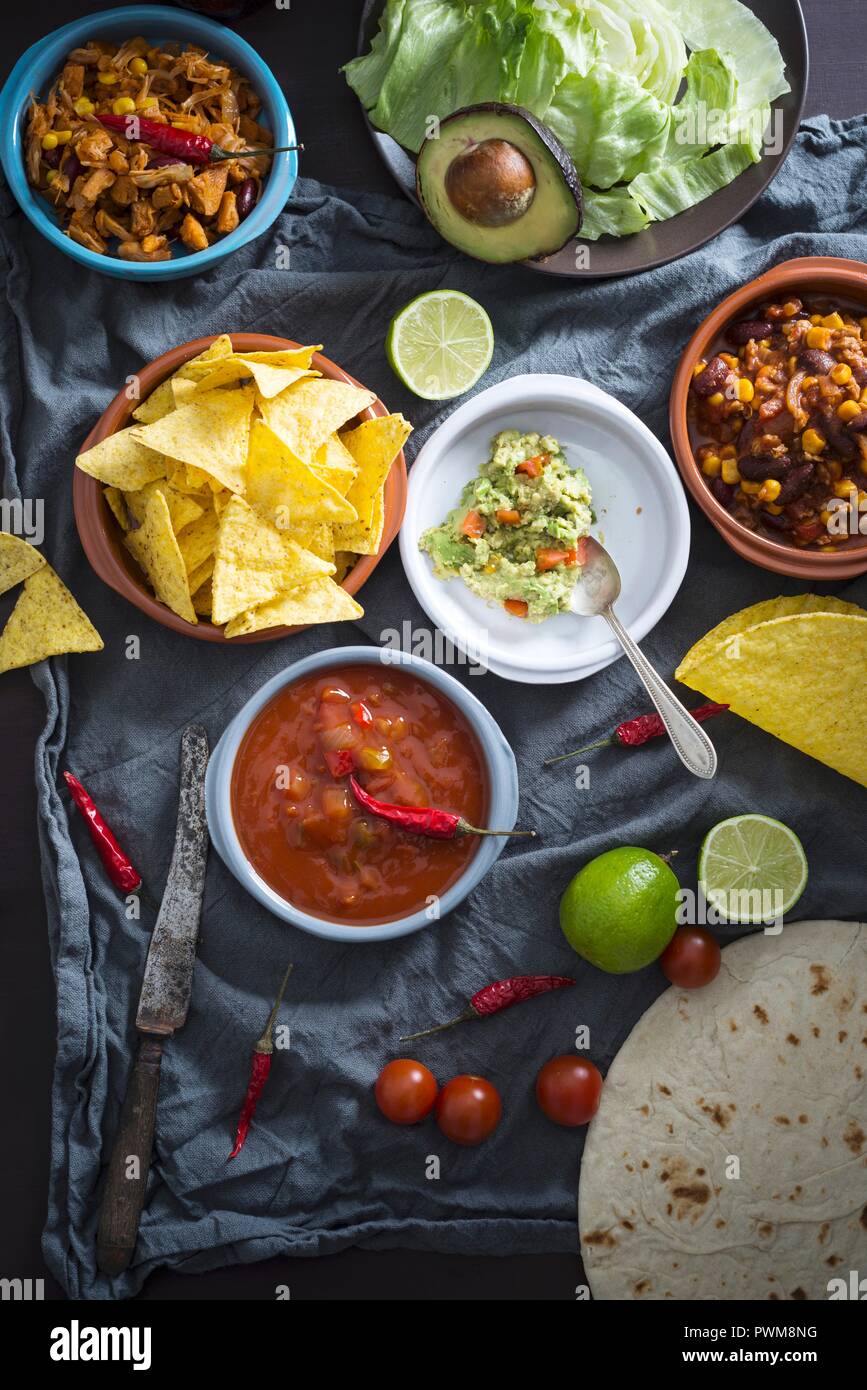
(490, 569)
(813, 441)
(699, 367)
(764, 342)
(51, 176)
(773, 509)
(841, 374)
(863, 465)
(825, 516)
(63, 136)
(49, 141)
(790, 309)
(123, 106)
(108, 79)
(711, 466)
(848, 410)
(730, 472)
(844, 487)
(745, 389)
(83, 106)
(728, 451)
(770, 490)
(815, 319)
(832, 321)
(752, 488)
(835, 469)
(729, 360)
(138, 66)
(808, 382)
(716, 399)
(792, 365)
(819, 338)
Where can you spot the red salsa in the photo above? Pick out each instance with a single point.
(298, 822)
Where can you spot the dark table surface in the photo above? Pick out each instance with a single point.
(305, 45)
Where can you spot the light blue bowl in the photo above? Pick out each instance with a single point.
(502, 792)
(36, 70)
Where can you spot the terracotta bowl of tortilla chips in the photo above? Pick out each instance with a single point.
(828, 277)
(103, 538)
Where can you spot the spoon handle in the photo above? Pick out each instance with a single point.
(691, 743)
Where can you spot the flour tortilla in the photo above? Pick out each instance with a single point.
(769, 1064)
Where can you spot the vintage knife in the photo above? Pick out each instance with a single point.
(162, 1009)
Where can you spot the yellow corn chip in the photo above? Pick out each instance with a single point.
(46, 621)
(18, 560)
(183, 509)
(344, 561)
(286, 357)
(765, 611)
(198, 541)
(117, 504)
(798, 677)
(220, 347)
(221, 499)
(183, 390)
(154, 546)
(270, 381)
(123, 461)
(320, 601)
(374, 445)
(333, 462)
(304, 415)
(317, 537)
(156, 405)
(200, 575)
(254, 562)
(283, 489)
(212, 434)
(363, 540)
(203, 599)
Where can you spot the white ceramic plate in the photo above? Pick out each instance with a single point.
(641, 510)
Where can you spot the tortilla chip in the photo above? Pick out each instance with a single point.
(765, 611)
(344, 561)
(286, 357)
(183, 509)
(198, 541)
(117, 504)
(18, 560)
(283, 489)
(304, 415)
(123, 461)
(374, 445)
(361, 539)
(183, 391)
(200, 575)
(254, 562)
(800, 678)
(221, 499)
(333, 462)
(155, 547)
(212, 434)
(320, 601)
(317, 537)
(46, 621)
(159, 403)
(203, 599)
(270, 381)
(220, 347)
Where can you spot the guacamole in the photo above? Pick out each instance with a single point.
(516, 538)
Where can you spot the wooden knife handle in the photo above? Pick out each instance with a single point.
(130, 1163)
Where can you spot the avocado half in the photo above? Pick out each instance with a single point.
(498, 185)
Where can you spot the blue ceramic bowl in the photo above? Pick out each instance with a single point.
(502, 792)
(36, 70)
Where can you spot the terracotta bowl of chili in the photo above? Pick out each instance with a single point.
(806, 393)
(299, 830)
(102, 537)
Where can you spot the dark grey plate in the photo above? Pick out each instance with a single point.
(661, 241)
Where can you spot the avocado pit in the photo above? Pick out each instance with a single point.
(491, 184)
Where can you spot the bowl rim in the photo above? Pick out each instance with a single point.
(551, 388)
(500, 765)
(175, 24)
(93, 517)
(798, 273)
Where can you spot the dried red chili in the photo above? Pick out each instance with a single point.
(259, 1071)
(117, 864)
(634, 732)
(423, 820)
(502, 994)
(182, 144)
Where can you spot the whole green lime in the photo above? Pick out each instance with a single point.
(619, 911)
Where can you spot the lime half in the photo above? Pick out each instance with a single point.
(440, 344)
(752, 869)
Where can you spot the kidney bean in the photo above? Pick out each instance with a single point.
(777, 523)
(52, 157)
(740, 333)
(859, 424)
(245, 198)
(756, 467)
(834, 430)
(713, 378)
(796, 482)
(745, 438)
(723, 492)
(72, 167)
(820, 363)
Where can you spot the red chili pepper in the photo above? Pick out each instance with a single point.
(502, 994)
(259, 1072)
(634, 732)
(361, 714)
(117, 864)
(423, 820)
(194, 149)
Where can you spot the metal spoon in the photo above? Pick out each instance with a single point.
(594, 595)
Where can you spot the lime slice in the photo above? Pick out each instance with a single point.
(752, 868)
(440, 344)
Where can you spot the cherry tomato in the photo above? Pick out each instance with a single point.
(568, 1090)
(691, 958)
(405, 1091)
(468, 1109)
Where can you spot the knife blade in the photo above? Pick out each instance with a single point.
(168, 978)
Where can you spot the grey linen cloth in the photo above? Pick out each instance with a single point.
(322, 1169)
